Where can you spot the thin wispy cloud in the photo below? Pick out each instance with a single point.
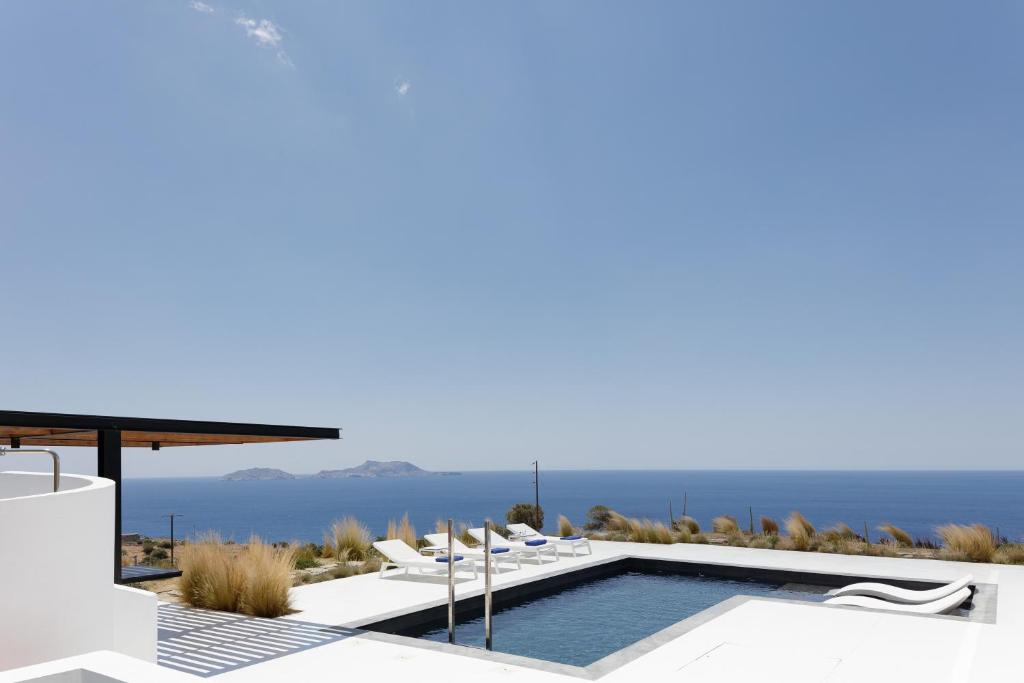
(402, 88)
(266, 34)
(201, 7)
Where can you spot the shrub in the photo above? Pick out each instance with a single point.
(974, 543)
(769, 527)
(901, 537)
(350, 539)
(305, 557)
(158, 554)
(526, 513)
(597, 518)
(725, 524)
(1009, 553)
(166, 545)
(499, 529)
(683, 534)
(688, 523)
(268, 578)
(801, 533)
(565, 527)
(699, 538)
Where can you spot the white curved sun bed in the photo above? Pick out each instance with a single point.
(535, 548)
(498, 553)
(902, 595)
(940, 606)
(571, 542)
(400, 555)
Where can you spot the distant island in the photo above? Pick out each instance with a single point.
(368, 470)
(258, 474)
(378, 468)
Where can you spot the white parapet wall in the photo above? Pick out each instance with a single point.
(56, 577)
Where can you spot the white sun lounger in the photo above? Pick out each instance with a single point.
(527, 531)
(400, 555)
(537, 551)
(940, 606)
(902, 595)
(510, 554)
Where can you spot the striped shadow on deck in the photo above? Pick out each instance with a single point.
(206, 643)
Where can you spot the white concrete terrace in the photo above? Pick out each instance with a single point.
(758, 640)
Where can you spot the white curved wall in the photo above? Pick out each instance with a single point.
(56, 573)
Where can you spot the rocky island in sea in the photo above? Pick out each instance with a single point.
(258, 474)
(379, 468)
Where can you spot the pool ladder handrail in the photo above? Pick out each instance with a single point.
(4, 450)
(488, 604)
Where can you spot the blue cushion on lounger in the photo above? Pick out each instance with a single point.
(498, 550)
(571, 538)
(445, 558)
(537, 541)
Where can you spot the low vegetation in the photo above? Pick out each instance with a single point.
(725, 524)
(305, 556)
(526, 513)
(799, 530)
(252, 580)
(974, 543)
(268, 579)
(403, 530)
(255, 578)
(597, 518)
(349, 540)
(899, 536)
(689, 523)
(1009, 553)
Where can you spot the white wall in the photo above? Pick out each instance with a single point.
(133, 607)
(57, 595)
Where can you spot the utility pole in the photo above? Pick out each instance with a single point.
(172, 516)
(536, 494)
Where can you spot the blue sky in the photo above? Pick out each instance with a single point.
(654, 234)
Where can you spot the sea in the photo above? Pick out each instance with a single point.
(302, 509)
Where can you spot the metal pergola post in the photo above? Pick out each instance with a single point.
(108, 465)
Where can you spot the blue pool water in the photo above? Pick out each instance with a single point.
(586, 622)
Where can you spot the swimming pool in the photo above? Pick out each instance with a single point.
(583, 622)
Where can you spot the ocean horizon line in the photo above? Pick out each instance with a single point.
(794, 470)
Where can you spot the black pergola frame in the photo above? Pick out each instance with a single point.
(108, 430)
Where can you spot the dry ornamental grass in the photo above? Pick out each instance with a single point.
(726, 524)
(801, 533)
(901, 537)
(974, 543)
(351, 540)
(254, 580)
(769, 527)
